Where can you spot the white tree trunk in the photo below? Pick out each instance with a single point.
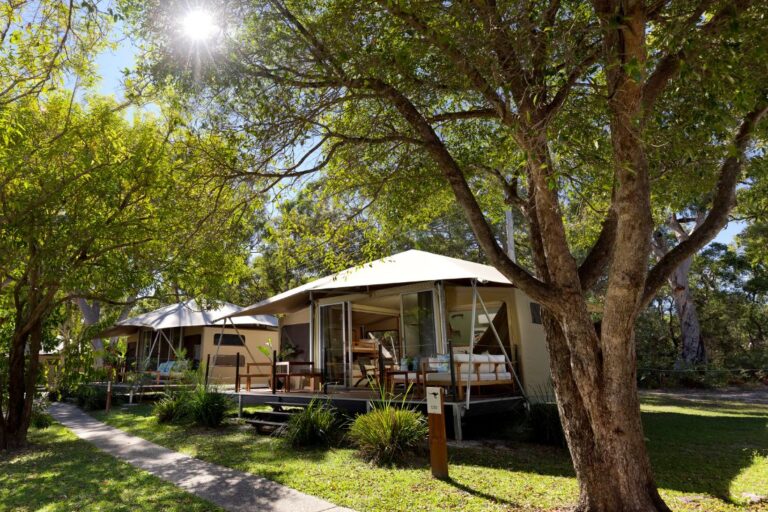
(692, 350)
(91, 316)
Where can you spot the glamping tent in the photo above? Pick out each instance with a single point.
(199, 334)
(436, 320)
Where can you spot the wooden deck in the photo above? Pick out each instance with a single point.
(356, 401)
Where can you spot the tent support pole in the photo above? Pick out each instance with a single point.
(245, 341)
(149, 354)
(501, 346)
(471, 340)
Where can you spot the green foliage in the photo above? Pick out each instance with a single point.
(92, 397)
(173, 408)
(40, 418)
(731, 298)
(389, 433)
(208, 408)
(317, 425)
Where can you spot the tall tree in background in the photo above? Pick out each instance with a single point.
(92, 207)
(437, 93)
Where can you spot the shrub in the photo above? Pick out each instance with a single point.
(40, 417)
(173, 408)
(317, 425)
(544, 424)
(387, 434)
(91, 397)
(208, 408)
(41, 420)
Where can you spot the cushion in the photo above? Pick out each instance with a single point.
(446, 377)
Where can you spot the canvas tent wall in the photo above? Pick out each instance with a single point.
(158, 336)
(407, 281)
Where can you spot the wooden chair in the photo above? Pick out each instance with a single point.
(368, 370)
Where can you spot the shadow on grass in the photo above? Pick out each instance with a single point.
(58, 472)
(701, 449)
(703, 454)
(482, 495)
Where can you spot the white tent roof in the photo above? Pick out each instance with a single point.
(188, 314)
(406, 267)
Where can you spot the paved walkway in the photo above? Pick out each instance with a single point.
(230, 489)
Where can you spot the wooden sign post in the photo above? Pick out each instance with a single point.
(438, 448)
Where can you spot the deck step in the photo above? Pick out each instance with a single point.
(259, 424)
(267, 415)
(279, 405)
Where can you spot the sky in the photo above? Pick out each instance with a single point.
(110, 65)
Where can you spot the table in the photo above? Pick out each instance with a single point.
(286, 374)
(408, 374)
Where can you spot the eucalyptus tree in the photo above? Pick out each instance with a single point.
(560, 100)
(95, 207)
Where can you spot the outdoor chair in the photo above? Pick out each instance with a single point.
(368, 370)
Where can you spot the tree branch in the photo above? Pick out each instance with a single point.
(722, 202)
(596, 261)
(669, 66)
(536, 289)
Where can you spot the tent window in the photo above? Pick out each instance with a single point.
(229, 340)
(535, 313)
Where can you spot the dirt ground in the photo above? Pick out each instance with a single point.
(757, 396)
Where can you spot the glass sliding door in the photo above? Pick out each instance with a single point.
(419, 329)
(333, 339)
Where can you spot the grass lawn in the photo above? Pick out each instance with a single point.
(706, 457)
(59, 472)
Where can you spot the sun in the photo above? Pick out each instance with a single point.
(199, 25)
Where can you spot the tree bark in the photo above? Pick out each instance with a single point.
(693, 352)
(606, 443)
(91, 316)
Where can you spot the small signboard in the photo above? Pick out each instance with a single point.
(434, 403)
(438, 447)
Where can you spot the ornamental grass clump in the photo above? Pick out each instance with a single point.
(173, 408)
(208, 408)
(317, 426)
(389, 432)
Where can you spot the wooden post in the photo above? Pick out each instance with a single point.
(207, 367)
(237, 372)
(438, 447)
(109, 388)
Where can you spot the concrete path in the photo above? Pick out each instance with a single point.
(230, 489)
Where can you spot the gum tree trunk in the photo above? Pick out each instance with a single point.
(606, 441)
(693, 352)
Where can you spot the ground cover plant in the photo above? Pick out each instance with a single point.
(715, 470)
(203, 406)
(318, 425)
(389, 435)
(60, 473)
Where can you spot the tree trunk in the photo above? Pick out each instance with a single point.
(604, 435)
(692, 352)
(22, 377)
(91, 316)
